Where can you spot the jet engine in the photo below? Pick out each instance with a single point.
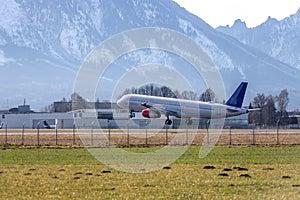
(148, 113)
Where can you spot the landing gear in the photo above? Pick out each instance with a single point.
(168, 122)
(131, 114)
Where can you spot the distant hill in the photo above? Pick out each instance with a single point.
(278, 39)
(43, 43)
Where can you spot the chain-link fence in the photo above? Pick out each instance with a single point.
(96, 137)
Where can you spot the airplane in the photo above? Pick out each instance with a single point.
(154, 107)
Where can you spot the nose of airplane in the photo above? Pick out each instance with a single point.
(123, 102)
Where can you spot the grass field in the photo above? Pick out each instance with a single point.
(228, 172)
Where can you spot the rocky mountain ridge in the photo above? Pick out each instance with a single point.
(278, 39)
(43, 43)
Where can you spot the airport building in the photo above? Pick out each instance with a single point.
(101, 118)
(23, 117)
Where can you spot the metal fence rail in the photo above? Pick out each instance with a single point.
(96, 137)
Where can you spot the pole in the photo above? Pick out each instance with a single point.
(108, 126)
(253, 136)
(277, 134)
(128, 133)
(5, 133)
(73, 134)
(207, 136)
(92, 134)
(147, 123)
(56, 135)
(38, 134)
(167, 127)
(187, 135)
(146, 134)
(230, 139)
(23, 134)
(207, 132)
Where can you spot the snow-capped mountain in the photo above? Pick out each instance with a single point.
(43, 43)
(279, 39)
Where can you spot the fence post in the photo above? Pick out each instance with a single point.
(5, 134)
(277, 134)
(167, 128)
(253, 136)
(56, 135)
(207, 132)
(230, 139)
(108, 126)
(128, 132)
(146, 142)
(187, 135)
(73, 134)
(23, 134)
(147, 123)
(92, 134)
(38, 133)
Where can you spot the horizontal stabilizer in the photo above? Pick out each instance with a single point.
(254, 109)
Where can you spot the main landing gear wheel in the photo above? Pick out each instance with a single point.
(168, 122)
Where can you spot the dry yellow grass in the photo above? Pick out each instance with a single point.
(238, 173)
(154, 137)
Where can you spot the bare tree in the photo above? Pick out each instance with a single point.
(269, 111)
(282, 101)
(269, 115)
(207, 96)
(258, 102)
(189, 95)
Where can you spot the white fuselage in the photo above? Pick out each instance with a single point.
(178, 107)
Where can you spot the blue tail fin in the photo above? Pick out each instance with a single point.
(237, 97)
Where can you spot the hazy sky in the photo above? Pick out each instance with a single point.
(253, 12)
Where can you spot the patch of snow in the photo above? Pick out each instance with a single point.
(150, 11)
(120, 14)
(141, 57)
(73, 37)
(221, 60)
(12, 15)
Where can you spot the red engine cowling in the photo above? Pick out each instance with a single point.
(148, 113)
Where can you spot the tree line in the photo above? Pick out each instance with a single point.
(273, 110)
